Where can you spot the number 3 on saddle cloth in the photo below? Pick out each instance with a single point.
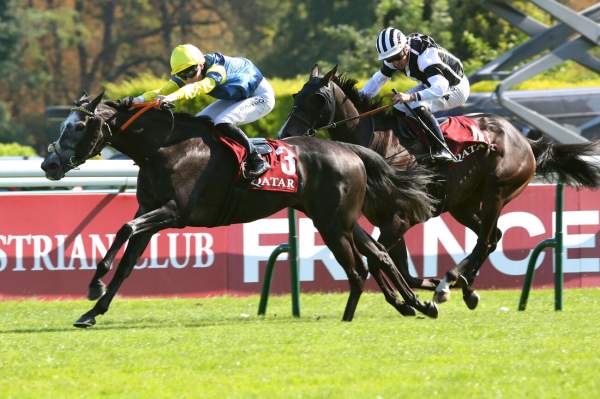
(463, 136)
(283, 174)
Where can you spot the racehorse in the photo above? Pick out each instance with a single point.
(474, 191)
(188, 178)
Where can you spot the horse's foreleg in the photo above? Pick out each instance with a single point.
(139, 231)
(97, 288)
(136, 246)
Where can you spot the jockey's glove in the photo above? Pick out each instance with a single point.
(126, 102)
(166, 105)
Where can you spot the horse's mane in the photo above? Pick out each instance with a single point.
(185, 125)
(360, 101)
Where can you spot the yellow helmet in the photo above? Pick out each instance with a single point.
(184, 56)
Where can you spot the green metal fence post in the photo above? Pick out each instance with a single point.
(292, 249)
(557, 244)
(558, 250)
(266, 288)
(293, 258)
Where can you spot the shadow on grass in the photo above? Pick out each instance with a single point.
(159, 324)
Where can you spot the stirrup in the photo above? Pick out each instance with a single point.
(442, 155)
(255, 167)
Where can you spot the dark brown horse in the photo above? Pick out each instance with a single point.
(474, 191)
(188, 178)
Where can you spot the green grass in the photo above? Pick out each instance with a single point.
(218, 347)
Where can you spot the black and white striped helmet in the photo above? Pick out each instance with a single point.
(390, 42)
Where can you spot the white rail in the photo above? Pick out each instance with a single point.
(28, 173)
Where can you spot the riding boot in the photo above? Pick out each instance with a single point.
(440, 151)
(255, 165)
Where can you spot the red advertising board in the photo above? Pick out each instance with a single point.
(50, 244)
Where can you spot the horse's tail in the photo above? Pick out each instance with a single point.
(405, 190)
(568, 162)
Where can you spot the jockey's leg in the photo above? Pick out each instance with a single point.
(246, 111)
(440, 153)
(255, 165)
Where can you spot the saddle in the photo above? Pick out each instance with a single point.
(462, 134)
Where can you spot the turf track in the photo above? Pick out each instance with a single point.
(218, 347)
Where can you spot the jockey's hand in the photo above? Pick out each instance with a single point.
(400, 98)
(163, 103)
(126, 102)
(166, 105)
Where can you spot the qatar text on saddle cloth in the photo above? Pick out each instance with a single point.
(463, 136)
(283, 174)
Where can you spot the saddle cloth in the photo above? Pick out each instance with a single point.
(283, 174)
(463, 136)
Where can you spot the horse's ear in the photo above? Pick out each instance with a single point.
(94, 103)
(328, 76)
(314, 72)
(84, 97)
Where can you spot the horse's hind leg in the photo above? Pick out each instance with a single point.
(399, 254)
(343, 248)
(485, 225)
(384, 269)
(389, 292)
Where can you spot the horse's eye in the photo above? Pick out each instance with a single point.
(79, 126)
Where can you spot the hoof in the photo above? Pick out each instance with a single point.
(96, 291)
(441, 296)
(429, 284)
(431, 310)
(471, 300)
(85, 321)
(406, 310)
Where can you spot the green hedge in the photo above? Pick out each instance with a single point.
(16, 149)
(269, 125)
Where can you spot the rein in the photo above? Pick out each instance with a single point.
(142, 110)
(333, 125)
(359, 116)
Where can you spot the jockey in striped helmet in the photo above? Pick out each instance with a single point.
(442, 82)
(243, 94)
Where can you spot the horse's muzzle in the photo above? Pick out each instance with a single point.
(53, 167)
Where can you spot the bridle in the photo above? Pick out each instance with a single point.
(106, 138)
(329, 99)
(329, 96)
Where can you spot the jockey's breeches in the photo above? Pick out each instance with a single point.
(240, 112)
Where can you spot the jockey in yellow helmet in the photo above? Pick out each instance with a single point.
(243, 94)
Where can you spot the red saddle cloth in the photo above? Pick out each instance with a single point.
(463, 136)
(283, 175)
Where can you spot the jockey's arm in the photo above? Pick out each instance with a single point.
(431, 65)
(169, 87)
(215, 75)
(438, 87)
(374, 85)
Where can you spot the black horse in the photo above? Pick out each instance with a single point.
(474, 191)
(188, 178)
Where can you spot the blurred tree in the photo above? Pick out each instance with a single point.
(52, 50)
(305, 36)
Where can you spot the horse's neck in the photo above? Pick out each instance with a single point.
(142, 139)
(352, 131)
